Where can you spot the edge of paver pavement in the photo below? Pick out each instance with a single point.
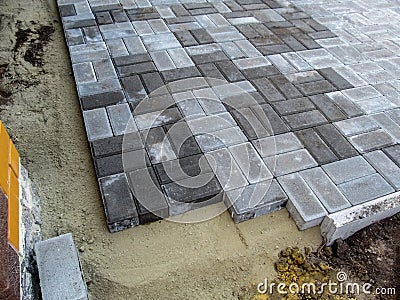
(60, 272)
(345, 223)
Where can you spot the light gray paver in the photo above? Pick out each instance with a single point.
(303, 204)
(211, 123)
(348, 169)
(326, 191)
(250, 162)
(356, 125)
(365, 189)
(226, 169)
(277, 144)
(385, 166)
(220, 139)
(120, 115)
(290, 162)
(97, 124)
(59, 269)
(254, 200)
(372, 140)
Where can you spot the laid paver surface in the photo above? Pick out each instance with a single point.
(255, 103)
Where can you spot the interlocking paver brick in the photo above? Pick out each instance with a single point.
(337, 142)
(326, 191)
(371, 140)
(293, 106)
(277, 144)
(350, 108)
(388, 125)
(177, 74)
(230, 71)
(385, 166)
(150, 200)
(158, 118)
(303, 205)
(374, 105)
(333, 77)
(316, 146)
(211, 123)
(290, 162)
(306, 119)
(250, 124)
(285, 87)
(348, 169)
(220, 139)
(316, 87)
(365, 189)
(270, 119)
(182, 140)
(330, 110)
(97, 124)
(254, 200)
(226, 169)
(118, 203)
(250, 162)
(281, 64)
(119, 115)
(357, 125)
(267, 89)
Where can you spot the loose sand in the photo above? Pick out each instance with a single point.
(212, 260)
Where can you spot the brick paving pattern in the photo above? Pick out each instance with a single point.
(318, 133)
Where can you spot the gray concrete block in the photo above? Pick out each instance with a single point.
(59, 269)
(120, 115)
(372, 140)
(366, 188)
(97, 124)
(226, 169)
(255, 200)
(220, 139)
(290, 162)
(348, 169)
(162, 60)
(326, 191)
(303, 205)
(356, 125)
(250, 162)
(385, 166)
(277, 144)
(211, 123)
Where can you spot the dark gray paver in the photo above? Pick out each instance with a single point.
(121, 212)
(394, 153)
(336, 141)
(150, 199)
(316, 146)
(293, 106)
(305, 119)
(330, 110)
(365, 188)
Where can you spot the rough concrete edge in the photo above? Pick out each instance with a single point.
(30, 235)
(345, 223)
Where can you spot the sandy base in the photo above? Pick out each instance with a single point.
(211, 260)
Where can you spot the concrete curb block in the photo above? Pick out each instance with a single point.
(345, 223)
(59, 269)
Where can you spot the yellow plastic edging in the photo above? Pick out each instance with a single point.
(9, 174)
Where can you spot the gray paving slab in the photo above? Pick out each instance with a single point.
(59, 269)
(348, 169)
(365, 189)
(303, 205)
(326, 191)
(290, 162)
(385, 167)
(277, 144)
(255, 200)
(372, 140)
(226, 169)
(356, 125)
(97, 124)
(250, 162)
